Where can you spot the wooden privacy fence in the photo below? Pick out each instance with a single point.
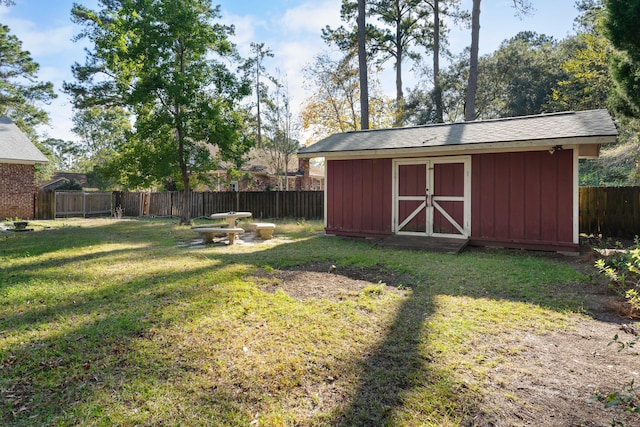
(44, 204)
(275, 204)
(284, 204)
(610, 211)
(83, 203)
(49, 204)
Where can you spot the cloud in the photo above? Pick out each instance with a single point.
(294, 36)
(245, 30)
(52, 48)
(56, 75)
(299, 40)
(61, 123)
(42, 41)
(311, 17)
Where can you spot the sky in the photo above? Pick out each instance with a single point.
(290, 28)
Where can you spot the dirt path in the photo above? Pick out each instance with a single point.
(552, 379)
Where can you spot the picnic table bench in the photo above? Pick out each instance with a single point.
(209, 232)
(264, 229)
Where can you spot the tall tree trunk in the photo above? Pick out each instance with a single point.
(362, 65)
(437, 89)
(470, 102)
(185, 218)
(261, 53)
(258, 102)
(182, 162)
(399, 93)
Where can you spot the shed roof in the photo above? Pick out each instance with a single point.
(579, 127)
(15, 147)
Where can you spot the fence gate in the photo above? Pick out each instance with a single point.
(44, 204)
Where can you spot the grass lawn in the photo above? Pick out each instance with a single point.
(124, 322)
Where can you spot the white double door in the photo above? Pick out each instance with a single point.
(432, 196)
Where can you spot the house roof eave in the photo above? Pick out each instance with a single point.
(23, 161)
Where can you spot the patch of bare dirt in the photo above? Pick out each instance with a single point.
(549, 381)
(323, 280)
(555, 375)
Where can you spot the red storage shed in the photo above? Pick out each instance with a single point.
(507, 182)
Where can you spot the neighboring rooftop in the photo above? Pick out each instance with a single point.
(591, 124)
(15, 147)
(59, 178)
(258, 162)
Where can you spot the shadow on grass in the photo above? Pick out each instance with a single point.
(396, 368)
(59, 377)
(89, 345)
(62, 246)
(78, 235)
(400, 369)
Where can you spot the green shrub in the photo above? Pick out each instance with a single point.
(623, 271)
(70, 185)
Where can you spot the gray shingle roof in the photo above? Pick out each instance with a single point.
(15, 147)
(580, 124)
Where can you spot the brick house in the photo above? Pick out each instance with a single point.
(18, 157)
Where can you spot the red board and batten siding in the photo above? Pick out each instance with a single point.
(523, 199)
(359, 197)
(520, 199)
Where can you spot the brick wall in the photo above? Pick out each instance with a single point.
(16, 191)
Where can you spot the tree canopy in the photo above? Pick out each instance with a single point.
(254, 67)
(334, 105)
(396, 28)
(165, 61)
(522, 7)
(621, 26)
(22, 95)
(166, 66)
